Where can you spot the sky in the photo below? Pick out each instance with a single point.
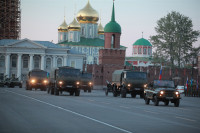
(40, 18)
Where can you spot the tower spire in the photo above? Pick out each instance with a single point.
(113, 13)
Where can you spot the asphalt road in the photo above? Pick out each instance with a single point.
(24, 111)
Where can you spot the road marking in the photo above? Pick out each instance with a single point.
(150, 112)
(186, 119)
(105, 102)
(84, 116)
(124, 107)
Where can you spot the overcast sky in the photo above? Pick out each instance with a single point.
(41, 18)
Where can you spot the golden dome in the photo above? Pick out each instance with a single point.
(88, 14)
(100, 29)
(63, 27)
(74, 26)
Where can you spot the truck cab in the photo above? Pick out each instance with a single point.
(86, 82)
(37, 79)
(65, 79)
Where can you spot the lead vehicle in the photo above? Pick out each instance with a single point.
(162, 90)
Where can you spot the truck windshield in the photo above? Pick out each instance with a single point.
(39, 74)
(163, 83)
(136, 75)
(69, 72)
(87, 75)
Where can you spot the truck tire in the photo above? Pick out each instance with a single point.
(89, 90)
(77, 92)
(123, 92)
(156, 101)
(176, 103)
(56, 92)
(166, 102)
(20, 86)
(142, 95)
(71, 93)
(52, 90)
(147, 101)
(114, 94)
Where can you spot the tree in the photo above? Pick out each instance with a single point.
(174, 39)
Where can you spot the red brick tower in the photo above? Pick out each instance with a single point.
(111, 58)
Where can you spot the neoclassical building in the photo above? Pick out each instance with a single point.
(141, 53)
(18, 57)
(85, 34)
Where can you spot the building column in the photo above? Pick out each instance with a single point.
(8, 65)
(19, 66)
(65, 60)
(31, 62)
(54, 61)
(42, 62)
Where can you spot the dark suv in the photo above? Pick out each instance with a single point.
(162, 90)
(37, 79)
(86, 82)
(65, 79)
(127, 82)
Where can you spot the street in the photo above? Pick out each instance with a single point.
(23, 111)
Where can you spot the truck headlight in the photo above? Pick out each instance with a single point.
(162, 92)
(90, 83)
(60, 82)
(145, 85)
(129, 85)
(77, 83)
(45, 81)
(33, 81)
(177, 93)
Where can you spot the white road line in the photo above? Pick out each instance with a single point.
(186, 119)
(150, 112)
(87, 117)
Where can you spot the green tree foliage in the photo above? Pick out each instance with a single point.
(174, 39)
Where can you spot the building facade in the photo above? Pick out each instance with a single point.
(18, 57)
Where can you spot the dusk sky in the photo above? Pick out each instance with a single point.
(41, 18)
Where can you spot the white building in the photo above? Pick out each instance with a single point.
(18, 57)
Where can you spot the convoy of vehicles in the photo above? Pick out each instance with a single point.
(162, 90)
(37, 79)
(127, 82)
(123, 82)
(65, 79)
(86, 82)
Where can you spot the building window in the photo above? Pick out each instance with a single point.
(25, 62)
(149, 51)
(145, 51)
(71, 36)
(48, 63)
(2, 61)
(59, 62)
(90, 32)
(83, 31)
(73, 64)
(14, 61)
(140, 51)
(61, 37)
(95, 60)
(113, 41)
(36, 62)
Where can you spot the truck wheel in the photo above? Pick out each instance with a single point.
(123, 93)
(156, 101)
(166, 102)
(106, 92)
(27, 88)
(52, 90)
(85, 90)
(20, 86)
(114, 94)
(89, 90)
(77, 92)
(133, 95)
(57, 92)
(176, 103)
(147, 101)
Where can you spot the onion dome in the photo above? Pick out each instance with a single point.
(88, 14)
(113, 26)
(74, 26)
(100, 29)
(63, 27)
(142, 42)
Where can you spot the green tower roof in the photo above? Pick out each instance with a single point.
(143, 42)
(113, 26)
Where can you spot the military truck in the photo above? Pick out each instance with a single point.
(14, 82)
(162, 90)
(86, 82)
(65, 79)
(37, 79)
(127, 82)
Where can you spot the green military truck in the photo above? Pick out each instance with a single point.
(37, 79)
(127, 82)
(65, 79)
(162, 91)
(86, 82)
